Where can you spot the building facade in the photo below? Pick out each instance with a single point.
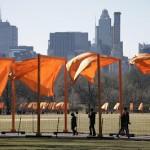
(21, 52)
(8, 37)
(103, 34)
(65, 44)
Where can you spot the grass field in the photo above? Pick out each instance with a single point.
(62, 144)
(140, 123)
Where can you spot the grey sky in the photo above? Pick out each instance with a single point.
(37, 18)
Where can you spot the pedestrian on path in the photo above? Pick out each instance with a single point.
(125, 121)
(74, 124)
(91, 116)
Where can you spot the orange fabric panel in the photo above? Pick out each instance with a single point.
(131, 106)
(88, 66)
(32, 105)
(26, 71)
(142, 62)
(23, 105)
(2, 105)
(50, 105)
(5, 66)
(60, 106)
(53, 106)
(43, 105)
(73, 64)
(90, 70)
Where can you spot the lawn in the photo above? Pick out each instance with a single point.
(62, 144)
(140, 123)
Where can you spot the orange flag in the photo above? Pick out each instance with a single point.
(90, 68)
(5, 66)
(87, 65)
(26, 71)
(73, 64)
(142, 62)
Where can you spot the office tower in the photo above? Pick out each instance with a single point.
(117, 50)
(66, 44)
(103, 31)
(8, 37)
(116, 38)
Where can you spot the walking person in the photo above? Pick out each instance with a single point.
(125, 121)
(74, 124)
(91, 116)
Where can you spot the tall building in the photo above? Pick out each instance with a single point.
(116, 31)
(144, 48)
(8, 37)
(103, 34)
(108, 40)
(117, 50)
(66, 44)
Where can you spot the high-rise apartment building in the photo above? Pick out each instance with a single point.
(103, 31)
(8, 37)
(65, 44)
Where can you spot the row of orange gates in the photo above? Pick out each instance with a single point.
(59, 106)
(55, 106)
(40, 73)
(105, 107)
(43, 106)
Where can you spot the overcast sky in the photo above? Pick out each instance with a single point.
(35, 19)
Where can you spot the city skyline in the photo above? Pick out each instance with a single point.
(36, 19)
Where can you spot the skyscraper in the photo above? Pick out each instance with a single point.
(8, 37)
(117, 50)
(107, 39)
(116, 37)
(103, 37)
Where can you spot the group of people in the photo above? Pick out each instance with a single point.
(125, 121)
(91, 116)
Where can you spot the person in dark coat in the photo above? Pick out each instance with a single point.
(74, 124)
(125, 121)
(92, 115)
